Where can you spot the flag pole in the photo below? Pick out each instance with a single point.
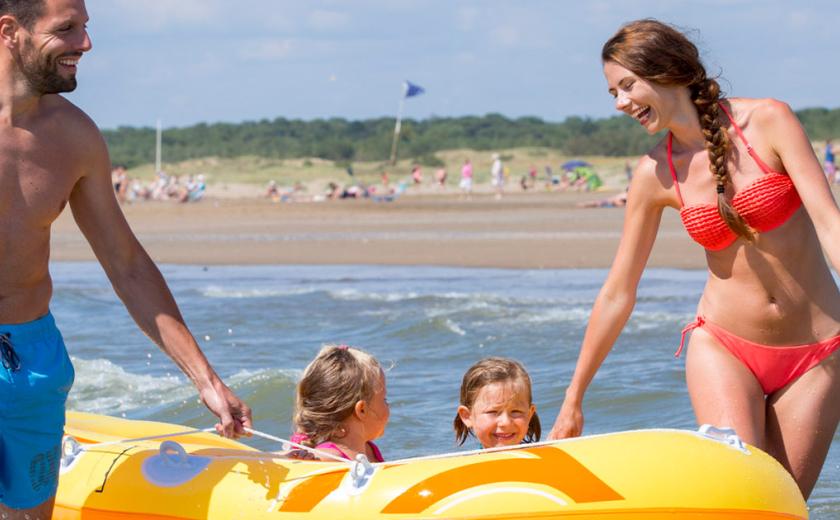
(398, 127)
(158, 147)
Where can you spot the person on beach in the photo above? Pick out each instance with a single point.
(341, 404)
(828, 163)
(763, 353)
(52, 154)
(440, 177)
(616, 201)
(417, 174)
(496, 405)
(497, 175)
(466, 179)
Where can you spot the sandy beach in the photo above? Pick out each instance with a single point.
(523, 230)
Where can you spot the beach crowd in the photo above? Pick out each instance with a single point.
(190, 188)
(571, 176)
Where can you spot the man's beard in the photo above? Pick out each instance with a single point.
(41, 73)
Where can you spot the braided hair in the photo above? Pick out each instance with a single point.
(659, 53)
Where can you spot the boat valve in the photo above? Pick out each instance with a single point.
(361, 472)
(725, 435)
(70, 451)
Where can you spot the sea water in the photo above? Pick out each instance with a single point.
(260, 325)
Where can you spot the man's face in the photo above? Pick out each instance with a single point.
(50, 50)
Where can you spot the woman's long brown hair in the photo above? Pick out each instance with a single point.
(659, 53)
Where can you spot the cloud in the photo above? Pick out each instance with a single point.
(466, 18)
(161, 14)
(506, 36)
(328, 20)
(266, 49)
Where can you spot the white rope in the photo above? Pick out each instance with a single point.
(319, 453)
(87, 447)
(471, 452)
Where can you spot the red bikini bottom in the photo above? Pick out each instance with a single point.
(773, 367)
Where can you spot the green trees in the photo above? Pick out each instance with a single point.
(341, 140)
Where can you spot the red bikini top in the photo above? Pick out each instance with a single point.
(764, 205)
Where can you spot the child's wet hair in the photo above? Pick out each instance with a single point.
(332, 384)
(486, 372)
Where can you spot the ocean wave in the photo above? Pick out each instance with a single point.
(357, 295)
(104, 387)
(452, 326)
(253, 292)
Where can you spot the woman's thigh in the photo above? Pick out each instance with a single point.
(724, 393)
(802, 419)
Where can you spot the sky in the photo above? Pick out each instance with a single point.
(192, 61)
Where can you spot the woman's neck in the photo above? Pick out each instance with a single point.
(685, 125)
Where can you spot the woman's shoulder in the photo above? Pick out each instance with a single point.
(654, 163)
(766, 121)
(652, 176)
(759, 110)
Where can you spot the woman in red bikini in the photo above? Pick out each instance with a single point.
(742, 173)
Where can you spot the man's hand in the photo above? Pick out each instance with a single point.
(569, 422)
(234, 414)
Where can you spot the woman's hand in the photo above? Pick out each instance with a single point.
(569, 422)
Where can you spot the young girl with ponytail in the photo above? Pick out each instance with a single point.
(743, 175)
(341, 404)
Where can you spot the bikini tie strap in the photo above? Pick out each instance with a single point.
(698, 322)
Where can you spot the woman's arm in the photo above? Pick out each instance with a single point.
(791, 144)
(645, 202)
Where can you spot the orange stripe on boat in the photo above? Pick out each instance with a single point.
(87, 513)
(644, 513)
(311, 491)
(563, 472)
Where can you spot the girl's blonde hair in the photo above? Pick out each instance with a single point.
(332, 384)
(486, 372)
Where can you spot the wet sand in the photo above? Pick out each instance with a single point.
(530, 231)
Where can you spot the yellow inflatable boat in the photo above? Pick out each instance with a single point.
(639, 475)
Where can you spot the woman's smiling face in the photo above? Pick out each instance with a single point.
(646, 102)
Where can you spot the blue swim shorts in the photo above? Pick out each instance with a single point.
(35, 376)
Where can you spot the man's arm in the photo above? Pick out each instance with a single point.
(140, 285)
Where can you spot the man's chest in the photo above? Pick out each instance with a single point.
(36, 179)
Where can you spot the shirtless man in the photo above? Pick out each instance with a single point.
(51, 153)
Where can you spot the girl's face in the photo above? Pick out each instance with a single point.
(500, 414)
(377, 411)
(650, 104)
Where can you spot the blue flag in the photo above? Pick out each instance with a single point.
(412, 90)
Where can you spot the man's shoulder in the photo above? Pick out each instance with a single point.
(72, 129)
(60, 111)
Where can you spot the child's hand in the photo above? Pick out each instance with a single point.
(300, 455)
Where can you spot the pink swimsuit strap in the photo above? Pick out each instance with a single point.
(750, 150)
(674, 170)
(698, 322)
(377, 455)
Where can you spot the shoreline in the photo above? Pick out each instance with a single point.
(532, 230)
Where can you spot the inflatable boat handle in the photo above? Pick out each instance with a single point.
(725, 435)
(173, 454)
(70, 450)
(361, 472)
